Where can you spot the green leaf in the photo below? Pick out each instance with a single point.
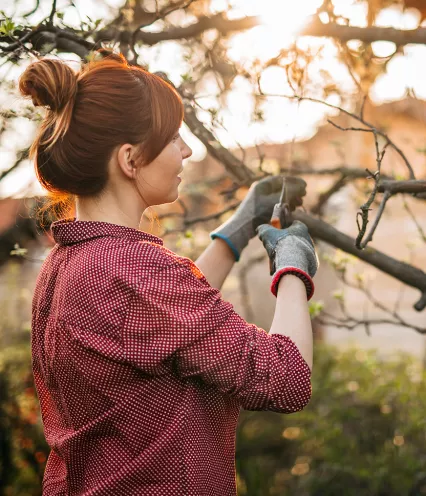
(339, 295)
(186, 78)
(7, 27)
(315, 308)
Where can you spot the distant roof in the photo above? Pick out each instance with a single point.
(410, 106)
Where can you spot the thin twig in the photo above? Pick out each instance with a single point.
(52, 12)
(398, 320)
(350, 114)
(363, 129)
(369, 236)
(365, 208)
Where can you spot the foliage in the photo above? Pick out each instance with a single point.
(363, 432)
(22, 444)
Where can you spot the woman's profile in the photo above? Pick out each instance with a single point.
(141, 368)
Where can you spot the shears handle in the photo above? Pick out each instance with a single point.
(281, 218)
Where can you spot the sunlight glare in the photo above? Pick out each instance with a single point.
(279, 26)
(278, 14)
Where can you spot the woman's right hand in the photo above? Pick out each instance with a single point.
(290, 250)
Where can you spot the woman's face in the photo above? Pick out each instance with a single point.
(158, 181)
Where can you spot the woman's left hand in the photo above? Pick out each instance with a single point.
(254, 210)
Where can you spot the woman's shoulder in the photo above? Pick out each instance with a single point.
(118, 265)
(137, 259)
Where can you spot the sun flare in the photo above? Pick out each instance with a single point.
(288, 19)
(280, 23)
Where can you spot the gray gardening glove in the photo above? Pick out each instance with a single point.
(255, 209)
(290, 250)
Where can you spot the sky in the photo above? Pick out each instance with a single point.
(284, 120)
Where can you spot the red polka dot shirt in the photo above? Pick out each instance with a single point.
(141, 368)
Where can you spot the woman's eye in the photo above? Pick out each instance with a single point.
(176, 137)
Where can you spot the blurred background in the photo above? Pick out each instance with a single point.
(332, 91)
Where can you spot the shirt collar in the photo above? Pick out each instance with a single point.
(70, 230)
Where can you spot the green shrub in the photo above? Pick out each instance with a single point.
(363, 433)
(22, 445)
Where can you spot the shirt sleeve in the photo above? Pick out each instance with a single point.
(176, 318)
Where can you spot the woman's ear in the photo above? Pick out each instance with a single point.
(125, 159)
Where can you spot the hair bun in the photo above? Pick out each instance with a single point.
(50, 83)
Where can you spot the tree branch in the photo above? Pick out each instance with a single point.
(369, 236)
(373, 129)
(365, 208)
(315, 28)
(232, 164)
(52, 13)
(398, 320)
(401, 271)
(367, 34)
(395, 187)
(319, 229)
(217, 22)
(225, 26)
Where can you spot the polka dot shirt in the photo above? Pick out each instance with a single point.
(141, 368)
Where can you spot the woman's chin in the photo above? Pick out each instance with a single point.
(174, 195)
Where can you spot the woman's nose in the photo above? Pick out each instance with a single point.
(187, 151)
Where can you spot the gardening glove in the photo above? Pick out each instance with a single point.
(291, 251)
(255, 209)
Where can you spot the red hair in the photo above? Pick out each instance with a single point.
(106, 104)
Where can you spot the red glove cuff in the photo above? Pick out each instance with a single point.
(307, 280)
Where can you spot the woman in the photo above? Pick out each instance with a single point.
(140, 367)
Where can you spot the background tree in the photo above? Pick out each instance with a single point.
(364, 428)
(204, 32)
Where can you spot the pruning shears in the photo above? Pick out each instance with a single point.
(292, 193)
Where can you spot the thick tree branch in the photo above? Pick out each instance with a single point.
(217, 22)
(63, 40)
(315, 28)
(402, 271)
(232, 164)
(394, 187)
(367, 34)
(224, 26)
